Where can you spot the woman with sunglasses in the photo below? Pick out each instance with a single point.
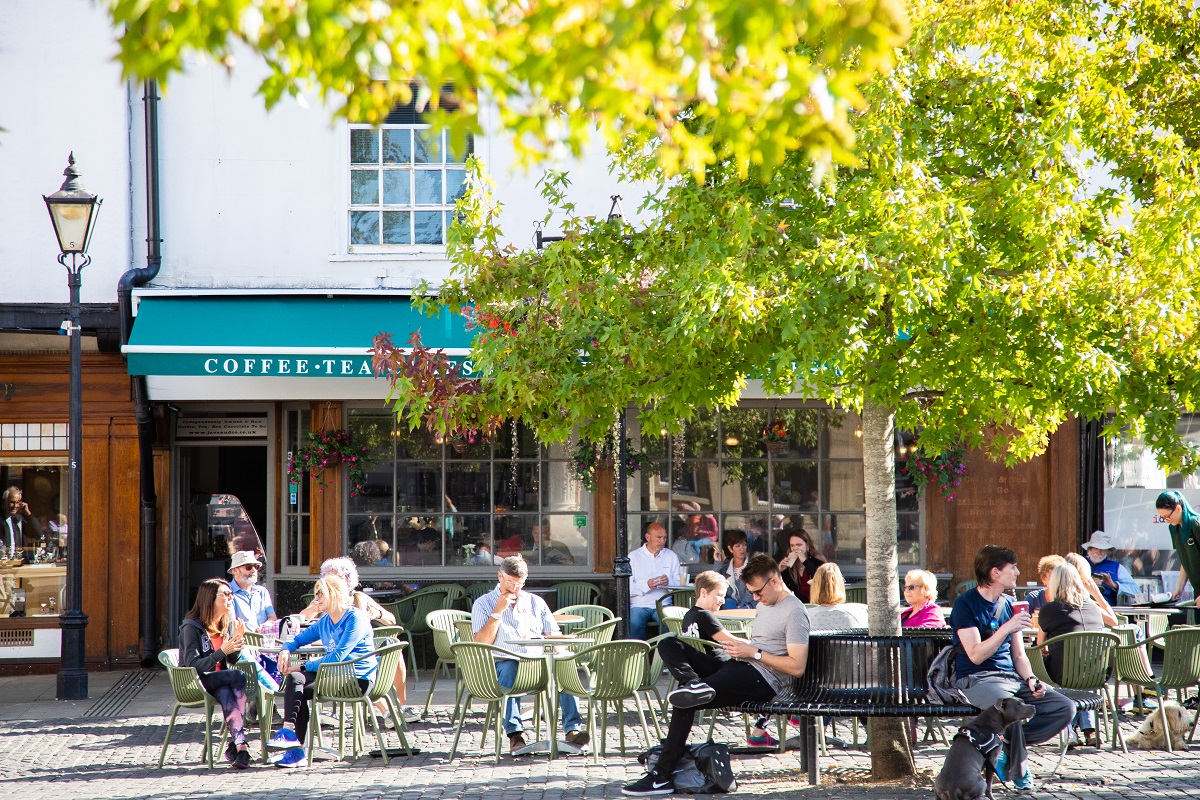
(209, 640)
(1184, 526)
(920, 592)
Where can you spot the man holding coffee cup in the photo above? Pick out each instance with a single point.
(992, 666)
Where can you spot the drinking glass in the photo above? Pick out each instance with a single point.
(44, 607)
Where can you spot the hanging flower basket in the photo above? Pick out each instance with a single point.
(463, 444)
(945, 471)
(588, 455)
(775, 437)
(330, 448)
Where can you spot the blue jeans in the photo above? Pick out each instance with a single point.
(506, 671)
(639, 616)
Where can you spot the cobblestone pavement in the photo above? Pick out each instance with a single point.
(50, 750)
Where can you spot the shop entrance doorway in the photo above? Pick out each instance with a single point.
(221, 499)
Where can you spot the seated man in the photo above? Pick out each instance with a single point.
(653, 569)
(553, 552)
(1110, 575)
(251, 600)
(504, 614)
(756, 671)
(993, 665)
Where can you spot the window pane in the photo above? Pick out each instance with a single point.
(373, 429)
(467, 484)
(795, 486)
(396, 227)
(561, 490)
(456, 184)
(460, 154)
(397, 146)
(559, 541)
(844, 486)
(700, 435)
(428, 227)
(742, 432)
(843, 432)
(527, 443)
(693, 534)
(364, 187)
(419, 546)
(637, 526)
(364, 227)
(418, 444)
(755, 527)
(428, 147)
(366, 533)
(801, 426)
(418, 488)
(744, 486)
(469, 541)
(656, 444)
(520, 495)
(397, 190)
(908, 536)
(364, 147)
(843, 538)
(429, 187)
(652, 485)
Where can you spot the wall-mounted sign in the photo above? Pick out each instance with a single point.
(251, 427)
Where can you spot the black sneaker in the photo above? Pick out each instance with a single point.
(648, 784)
(691, 694)
(231, 752)
(242, 760)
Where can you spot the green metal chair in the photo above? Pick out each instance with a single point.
(617, 671)
(680, 596)
(477, 667)
(456, 595)
(592, 614)
(650, 683)
(336, 683)
(1180, 669)
(478, 590)
(599, 634)
(576, 593)
(390, 656)
(189, 693)
(963, 586)
(411, 613)
(856, 594)
(442, 624)
(1086, 660)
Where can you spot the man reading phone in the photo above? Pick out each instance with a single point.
(992, 665)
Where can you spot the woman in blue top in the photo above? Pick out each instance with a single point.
(345, 631)
(1184, 526)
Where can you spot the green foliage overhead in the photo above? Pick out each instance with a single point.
(1018, 245)
(696, 80)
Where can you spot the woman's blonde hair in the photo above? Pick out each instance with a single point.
(708, 580)
(1066, 586)
(337, 593)
(1081, 565)
(926, 580)
(828, 587)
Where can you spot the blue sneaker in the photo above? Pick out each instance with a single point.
(284, 739)
(1001, 765)
(296, 757)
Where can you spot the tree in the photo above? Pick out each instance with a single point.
(745, 80)
(1017, 246)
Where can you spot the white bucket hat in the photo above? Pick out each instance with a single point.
(243, 557)
(1099, 540)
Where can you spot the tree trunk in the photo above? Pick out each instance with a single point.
(891, 754)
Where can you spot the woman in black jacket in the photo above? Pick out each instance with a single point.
(209, 640)
(798, 561)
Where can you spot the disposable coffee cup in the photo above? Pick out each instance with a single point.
(1020, 606)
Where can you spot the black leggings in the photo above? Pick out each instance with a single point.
(297, 692)
(229, 687)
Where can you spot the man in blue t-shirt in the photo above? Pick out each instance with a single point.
(992, 665)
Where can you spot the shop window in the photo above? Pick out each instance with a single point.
(434, 504)
(33, 537)
(404, 181)
(725, 471)
(1133, 481)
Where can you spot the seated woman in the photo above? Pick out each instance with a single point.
(799, 562)
(345, 631)
(738, 596)
(209, 640)
(1084, 569)
(831, 611)
(1068, 609)
(920, 592)
(345, 569)
(701, 622)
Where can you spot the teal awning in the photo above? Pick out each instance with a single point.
(302, 335)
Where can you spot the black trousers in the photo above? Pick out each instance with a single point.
(733, 681)
(297, 691)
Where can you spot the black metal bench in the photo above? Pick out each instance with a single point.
(850, 673)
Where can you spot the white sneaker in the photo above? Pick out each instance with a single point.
(410, 714)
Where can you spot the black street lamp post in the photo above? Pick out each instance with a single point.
(73, 211)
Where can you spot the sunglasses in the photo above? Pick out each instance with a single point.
(225, 593)
(250, 567)
(757, 593)
(910, 588)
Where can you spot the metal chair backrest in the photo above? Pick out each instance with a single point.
(618, 669)
(388, 631)
(1085, 658)
(1181, 658)
(442, 623)
(478, 590)
(463, 628)
(412, 610)
(576, 593)
(477, 666)
(674, 612)
(253, 639)
(456, 595)
(185, 681)
(337, 682)
(592, 615)
(856, 594)
(390, 657)
(963, 586)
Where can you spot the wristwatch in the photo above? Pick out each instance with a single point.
(498, 616)
(758, 655)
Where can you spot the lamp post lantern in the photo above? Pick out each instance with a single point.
(73, 212)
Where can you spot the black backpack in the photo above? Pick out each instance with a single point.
(702, 769)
